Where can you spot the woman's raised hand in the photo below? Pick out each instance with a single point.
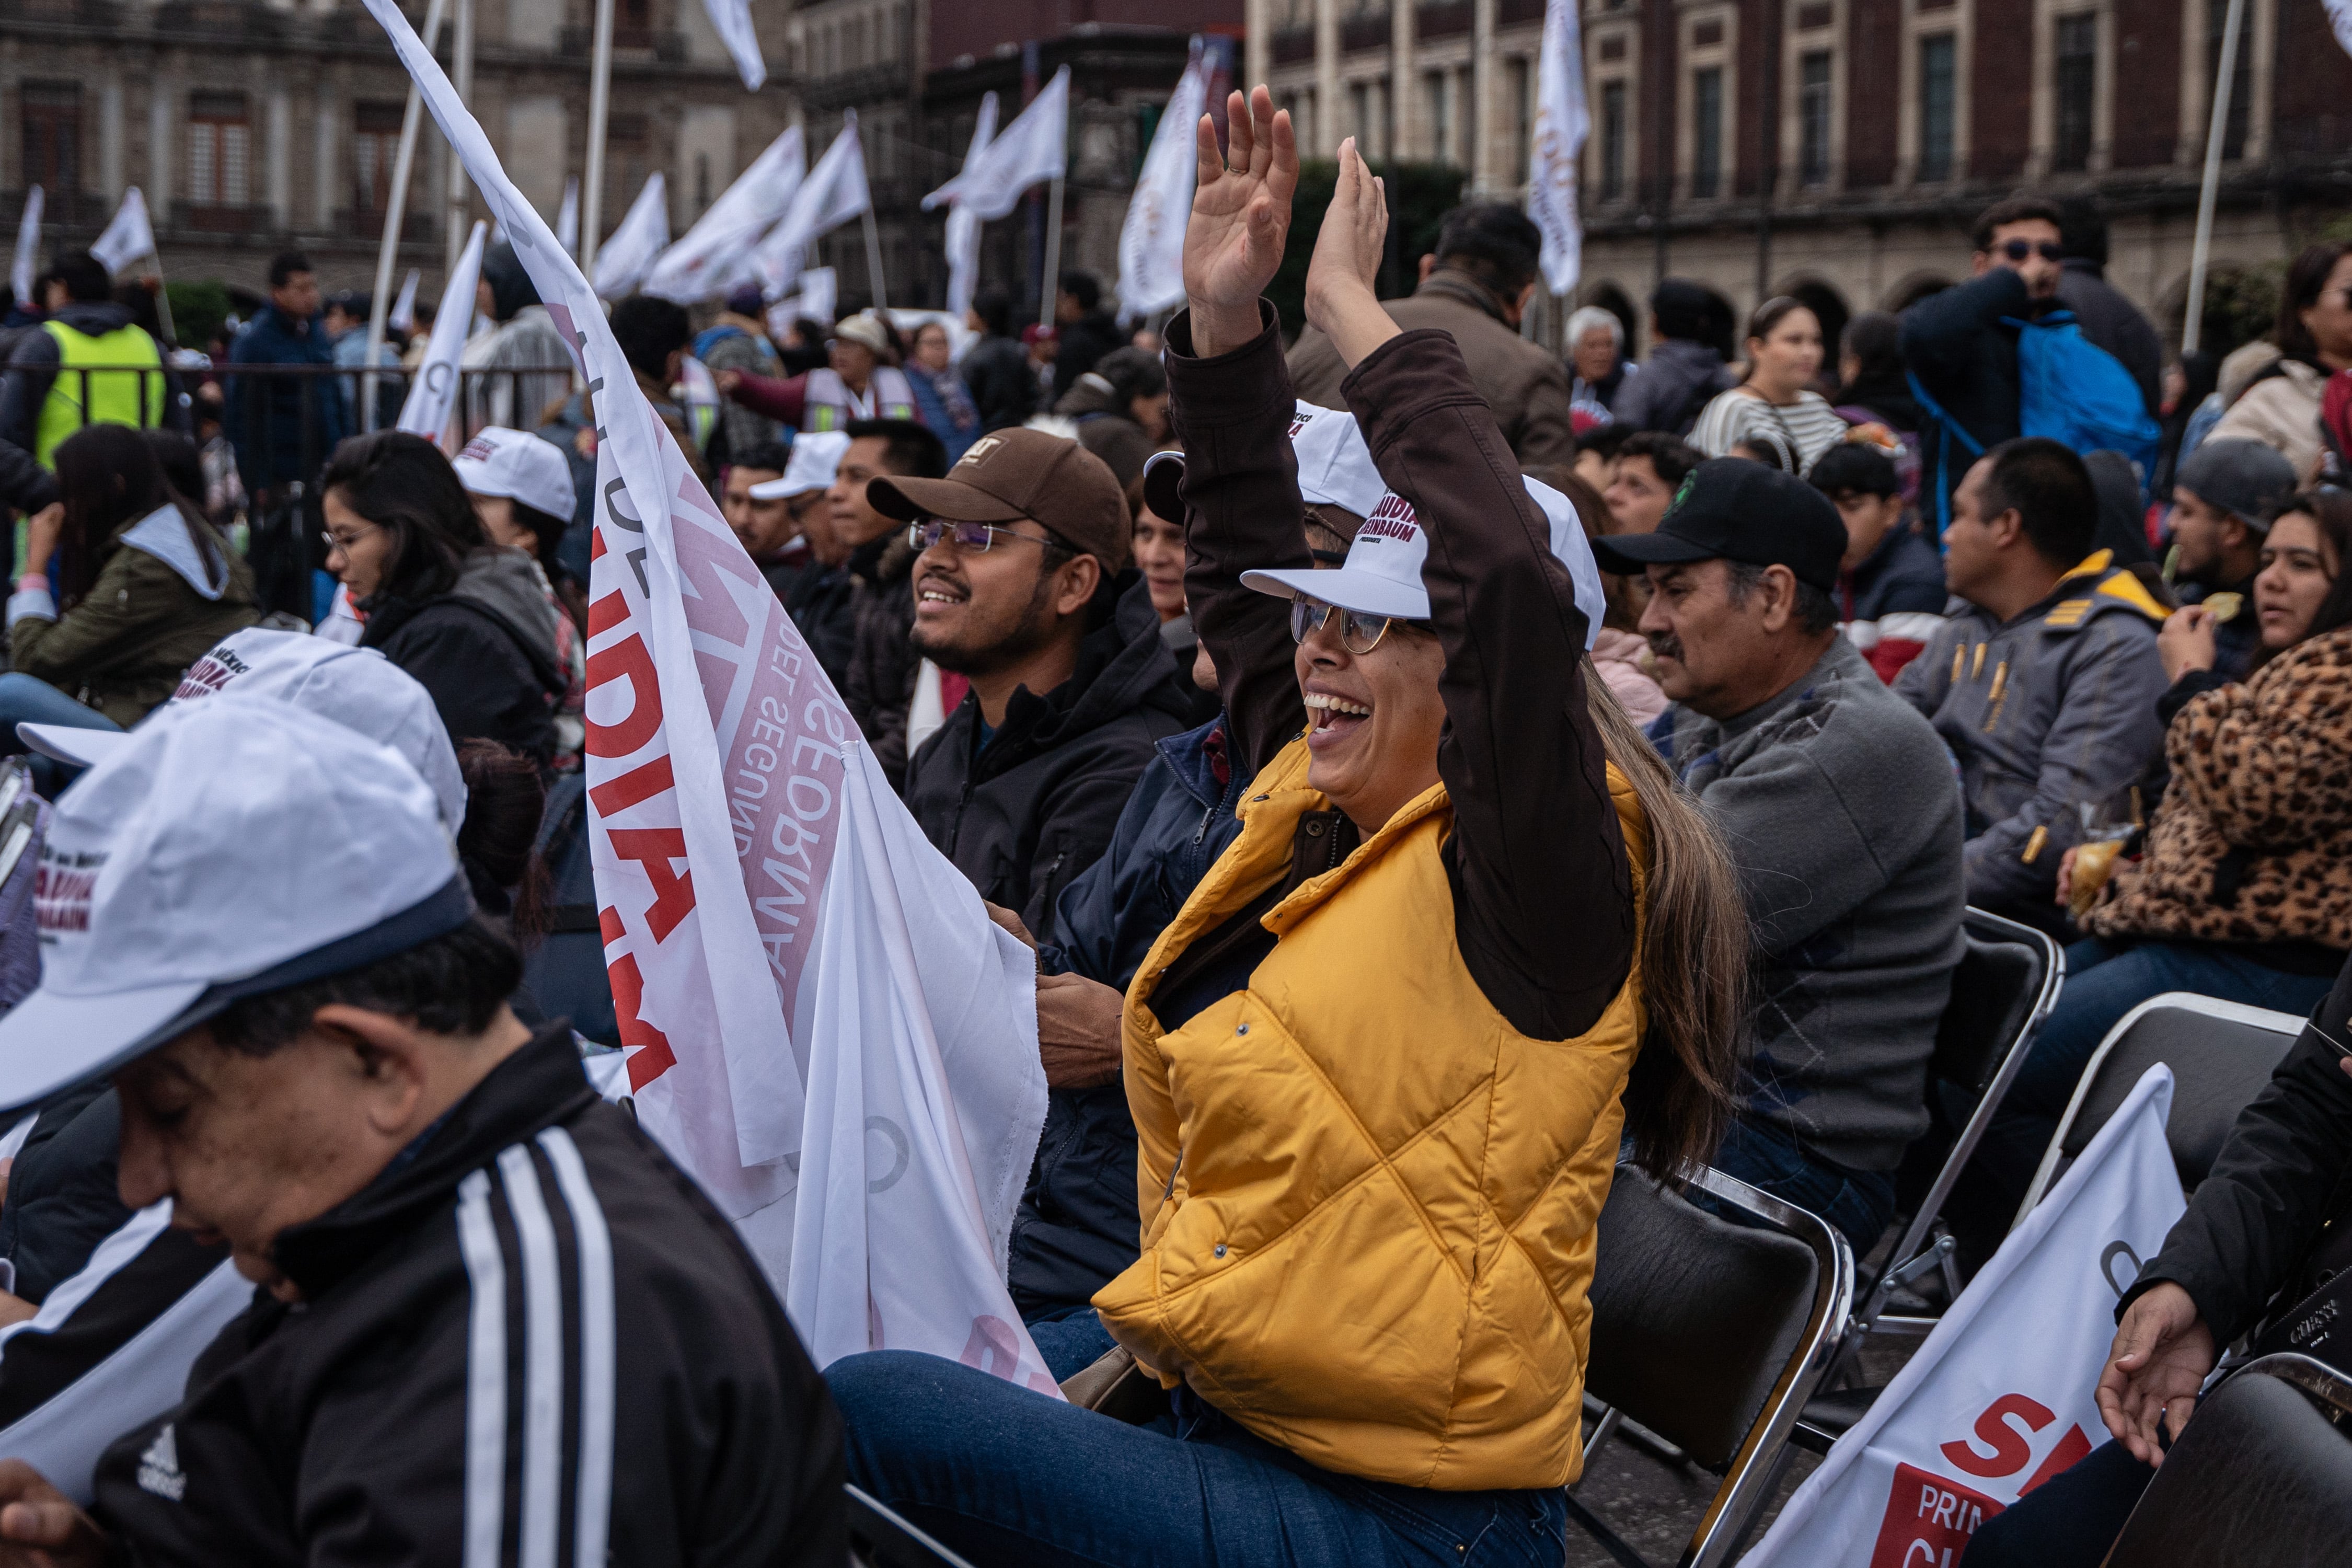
(1241, 218)
(1341, 299)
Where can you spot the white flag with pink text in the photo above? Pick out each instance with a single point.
(821, 1025)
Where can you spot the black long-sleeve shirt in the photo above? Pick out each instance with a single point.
(1543, 893)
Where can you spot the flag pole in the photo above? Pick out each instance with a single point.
(873, 259)
(396, 214)
(461, 73)
(2193, 321)
(163, 298)
(600, 98)
(1054, 255)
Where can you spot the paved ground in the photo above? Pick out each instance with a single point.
(1655, 1505)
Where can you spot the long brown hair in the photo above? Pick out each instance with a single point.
(1693, 956)
(107, 476)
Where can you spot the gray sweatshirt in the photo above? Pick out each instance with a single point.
(1838, 804)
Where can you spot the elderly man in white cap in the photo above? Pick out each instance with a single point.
(861, 381)
(471, 1269)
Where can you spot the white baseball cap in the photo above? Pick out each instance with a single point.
(1335, 466)
(518, 466)
(229, 849)
(1382, 575)
(357, 687)
(816, 457)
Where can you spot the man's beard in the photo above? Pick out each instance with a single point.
(1032, 631)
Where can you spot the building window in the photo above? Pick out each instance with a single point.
(1939, 97)
(52, 140)
(219, 137)
(1706, 131)
(2241, 80)
(2078, 75)
(1612, 142)
(375, 148)
(1813, 118)
(1523, 115)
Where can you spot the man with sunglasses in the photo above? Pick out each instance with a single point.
(1959, 345)
(1023, 586)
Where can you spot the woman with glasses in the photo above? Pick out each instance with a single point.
(2281, 405)
(1382, 1061)
(467, 618)
(1775, 406)
(142, 586)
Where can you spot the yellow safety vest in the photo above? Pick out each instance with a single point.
(116, 394)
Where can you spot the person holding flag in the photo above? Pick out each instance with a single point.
(1374, 971)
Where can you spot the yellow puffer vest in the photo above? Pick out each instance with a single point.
(1376, 1248)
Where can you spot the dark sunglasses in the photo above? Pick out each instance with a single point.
(1359, 633)
(2019, 249)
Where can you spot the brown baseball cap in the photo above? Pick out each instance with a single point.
(1049, 480)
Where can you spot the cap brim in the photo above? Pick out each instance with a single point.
(1366, 593)
(1627, 554)
(68, 743)
(1163, 472)
(779, 489)
(911, 501)
(51, 1041)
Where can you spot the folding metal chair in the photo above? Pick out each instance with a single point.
(2220, 1054)
(881, 1539)
(2261, 1478)
(1712, 1334)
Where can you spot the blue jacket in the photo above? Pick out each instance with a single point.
(1076, 1227)
(264, 417)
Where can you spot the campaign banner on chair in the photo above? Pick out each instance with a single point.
(821, 1025)
(2000, 1396)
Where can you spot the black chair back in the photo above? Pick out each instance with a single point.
(2261, 1478)
(2220, 1056)
(1993, 994)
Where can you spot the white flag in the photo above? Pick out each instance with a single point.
(834, 193)
(434, 391)
(403, 307)
(819, 294)
(2339, 13)
(714, 248)
(623, 261)
(963, 224)
(2001, 1397)
(1035, 147)
(1152, 241)
(567, 219)
(1559, 130)
(763, 897)
(28, 252)
(732, 20)
(129, 236)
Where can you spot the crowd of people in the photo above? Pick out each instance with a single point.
(1430, 771)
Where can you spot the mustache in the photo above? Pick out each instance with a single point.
(1665, 645)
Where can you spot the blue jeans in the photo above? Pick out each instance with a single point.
(1859, 1202)
(1006, 1476)
(29, 699)
(2104, 979)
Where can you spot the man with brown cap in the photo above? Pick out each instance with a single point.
(1022, 587)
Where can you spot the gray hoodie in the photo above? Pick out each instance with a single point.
(1838, 805)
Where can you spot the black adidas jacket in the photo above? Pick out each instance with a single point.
(535, 1343)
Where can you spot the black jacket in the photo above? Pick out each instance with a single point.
(823, 601)
(1076, 1227)
(1083, 342)
(537, 1286)
(883, 662)
(1954, 346)
(1023, 815)
(2113, 322)
(62, 1192)
(2277, 1192)
(1004, 388)
(486, 650)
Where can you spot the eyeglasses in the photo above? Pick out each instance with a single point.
(973, 537)
(1359, 633)
(343, 544)
(2019, 249)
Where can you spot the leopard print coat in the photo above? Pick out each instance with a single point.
(2253, 840)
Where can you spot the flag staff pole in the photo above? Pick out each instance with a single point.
(2193, 321)
(1054, 254)
(600, 99)
(461, 73)
(396, 214)
(874, 261)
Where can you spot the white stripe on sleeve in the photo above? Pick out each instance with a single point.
(542, 1405)
(486, 1374)
(594, 1242)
